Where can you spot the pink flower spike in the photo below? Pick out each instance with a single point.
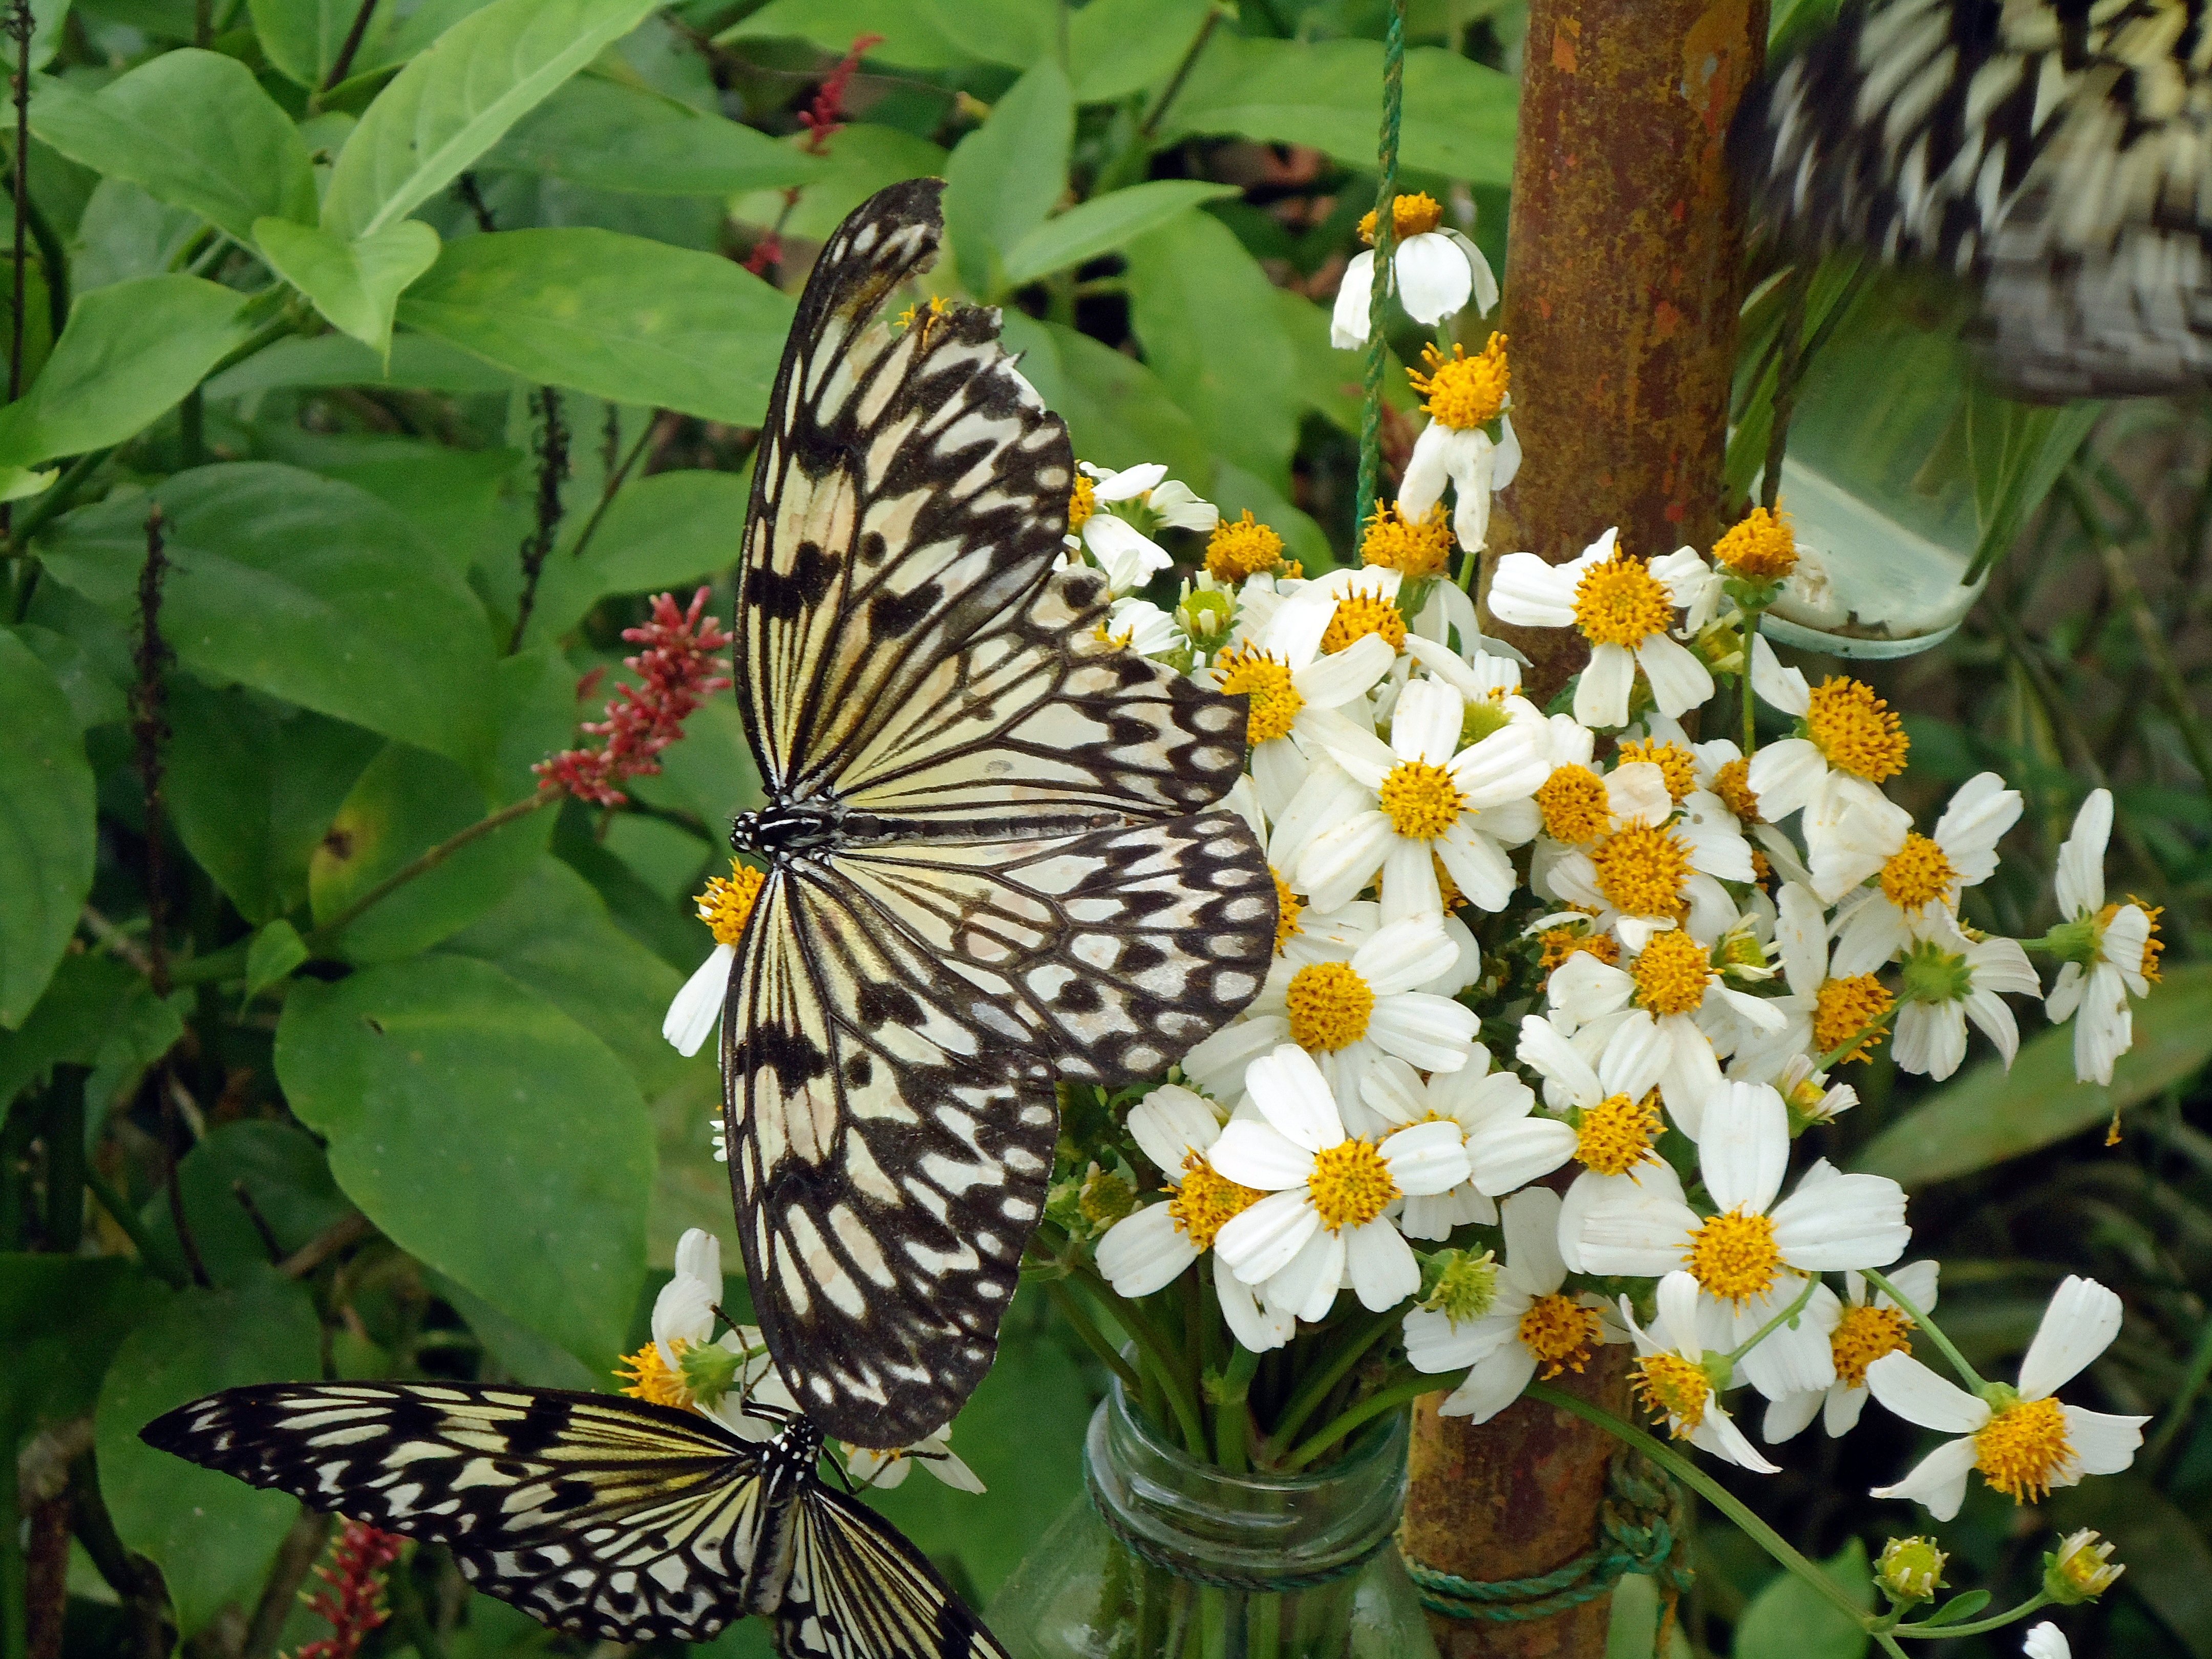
(352, 1602)
(678, 669)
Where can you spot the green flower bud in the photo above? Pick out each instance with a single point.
(2082, 1569)
(710, 1370)
(1459, 1285)
(1929, 973)
(1910, 1570)
(1106, 1198)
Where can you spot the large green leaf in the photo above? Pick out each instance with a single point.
(910, 36)
(1990, 1114)
(45, 828)
(309, 589)
(612, 136)
(1015, 33)
(416, 363)
(620, 317)
(68, 1024)
(1792, 1620)
(458, 99)
(279, 1167)
(1459, 115)
(195, 130)
(301, 39)
(1115, 48)
(212, 1535)
(486, 1133)
(1004, 177)
(1118, 411)
(61, 1318)
(1103, 224)
(356, 284)
(129, 355)
(670, 531)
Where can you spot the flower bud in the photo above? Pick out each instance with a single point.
(1458, 1285)
(1106, 1198)
(2080, 1570)
(1205, 613)
(1910, 1568)
(709, 1370)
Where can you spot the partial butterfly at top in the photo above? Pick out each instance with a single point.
(989, 861)
(2056, 152)
(594, 1513)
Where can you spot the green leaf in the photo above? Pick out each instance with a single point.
(2017, 452)
(1459, 118)
(1103, 224)
(1958, 1609)
(195, 130)
(142, 1028)
(1014, 33)
(863, 158)
(16, 483)
(607, 136)
(620, 317)
(69, 1024)
(356, 285)
(280, 1168)
(457, 99)
(94, 698)
(417, 363)
(1115, 48)
(1990, 1114)
(911, 36)
(1004, 177)
(129, 354)
(309, 589)
(710, 773)
(671, 531)
(407, 801)
(1791, 1619)
(212, 1535)
(301, 39)
(45, 828)
(1118, 411)
(61, 1318)
(277, 950)
(521, 1352)
(485, 1133)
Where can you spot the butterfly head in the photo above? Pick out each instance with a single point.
(788, 829)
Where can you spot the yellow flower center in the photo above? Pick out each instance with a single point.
(1671, 973)
(1252, 672)
(1358, 615)
(1288, 909)
(1410, 215)
(1113, 641)
(648, 1377)
(1641, 871)
(1863, 1335)
(1082, 503)
(1619, 602)
(1917, 873)
(2153, 945)
(1734, 1255)
(1675, 763)
(1420, 800)
(1732, 783)
(1349, 1185)
(1205, 1201)
(1574, 805)
(1857, 731)
(1330, 1006)
(2022, 1451)
(1759, 546)
(1560, 943)
(1241, 550)
(1675, 1388)
(1464, 392)
(1560, 1333)
(1842, 1008)
(1615, 1135)
(725, 904)
(1413, 547)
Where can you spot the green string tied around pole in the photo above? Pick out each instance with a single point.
(1386, 244)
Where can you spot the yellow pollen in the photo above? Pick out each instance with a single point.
(1858, 732)
(1574, 805)
(1241, 550)
(1288, 908)
(1413, 547)
(1863, 1335)
(1762, 867)
(1615, 1135)
(1641, 871)
(1675, 763)
(1082, 503)
(649, 1378)
(1205, 1201)
(1843, 1007)
(1560, 1333)
(1759, 546)
(1917, 873)
(725, 903)
(2153, 946)
(1560, 943)
(1447, 893)
(1349, 1185)
(1420, 800)
(2022, 1451)
(1410, 215)
(1250, 671)
(1732, 783)
(1671, 973)
(1330, 1006)
(1619, 602)
(1675, 1388)
(1734, 1255)
(1464, 392)
(1112, 641)
(1358, 615)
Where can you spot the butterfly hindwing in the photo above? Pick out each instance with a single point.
(858, 1589)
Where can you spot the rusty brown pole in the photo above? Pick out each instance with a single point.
(1623, 269)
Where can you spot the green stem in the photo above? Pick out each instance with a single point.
(1750, 707)
(1154, 116)
(1091, 1337)
(1927, 1632)
(428, 861)
(1967, 1373)
(1232, 1413)
(44, 508)
(1386, 244)
(1389, 1399)
(1788, 1316)
(1354, 1343)
(124, 1217)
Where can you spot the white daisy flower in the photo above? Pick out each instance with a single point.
(1849, 744)
(1144, 496)
(1435, 271)
(1624, 607)
(697, 1008)
(1325, 1219)
(2025, 1442)
(2110, 950)
(1946, 979)
(1527, 1323)
(885, 1469)
(1674, 1375)
(717, 1378)
(1923, 871)
(1293, 684)
(1860, 1332)
(1645, 867)
(1506, 1147)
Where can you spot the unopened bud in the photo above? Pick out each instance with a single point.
(1205, 613)
(1459, 1285)
(1910, 1568)
(710, 1370)
(2080, 1570)
(1106, 1198)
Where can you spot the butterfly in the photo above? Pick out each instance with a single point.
(2058, 153)
(989, 861)
(594, 1513)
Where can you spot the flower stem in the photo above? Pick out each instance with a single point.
(1352, 1345)
(428, 861)
(1930, 1633)
(1088, 1332)
(1967, 1373)
(1743, 686)
(1788, 1316)
(1403, 1390)
(1231, 1414)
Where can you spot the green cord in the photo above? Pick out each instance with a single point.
(1385, 242)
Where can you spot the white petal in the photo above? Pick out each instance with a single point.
(1719, 1435)
(1169, 1124)
(1427, 470)
(1257, 1327)
(1495, 1382)
(1679, 681)
(697, 1007)
(1382, 1265)
(2080, 1323)
(2046, 1641)
(1530, 593)
(1425, 725)
(1840, 1415)
(2081, 860)
(1916, 1394)
(1255, 1155)
(1144, 1251)
(1743, 1146)
(1778, 687)
(1347, 325)
(1258, 1243)
(2103, 1444)
(1785, 775)
(1331, 681)
(1601, 693)
(1425, 1158)
(1506, 1153)
(1435, 1344)
(1976, 819)
(1483, 874)
(1307, 1284)
(1434, 278)
(1637, 1228)
(1938, 1482)
(1340, 863)
(1434, 1033)
(1791, 1416)
(1851, 1221)
(1680, 1321)
(1532, 1240)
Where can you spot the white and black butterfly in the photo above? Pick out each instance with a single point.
(594, 1513)
(2056, 152)
(988, 862)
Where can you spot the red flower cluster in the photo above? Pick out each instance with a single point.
(353, 1602)
(678, 667)
(828, 113)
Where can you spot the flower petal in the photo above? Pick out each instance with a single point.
(2080, 1323)
(1434, 277)
(697, 1008)
(1938, 1482)
(1144, 1251)
(1258, 1243)
(1916, 1394)
(1383, 1270)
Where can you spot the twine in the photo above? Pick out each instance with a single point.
(1386, 244)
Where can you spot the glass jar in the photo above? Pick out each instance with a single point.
(1170, 1558)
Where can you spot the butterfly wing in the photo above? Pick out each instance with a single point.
(898, 1013)
(591, 1512)
(859, 1590)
